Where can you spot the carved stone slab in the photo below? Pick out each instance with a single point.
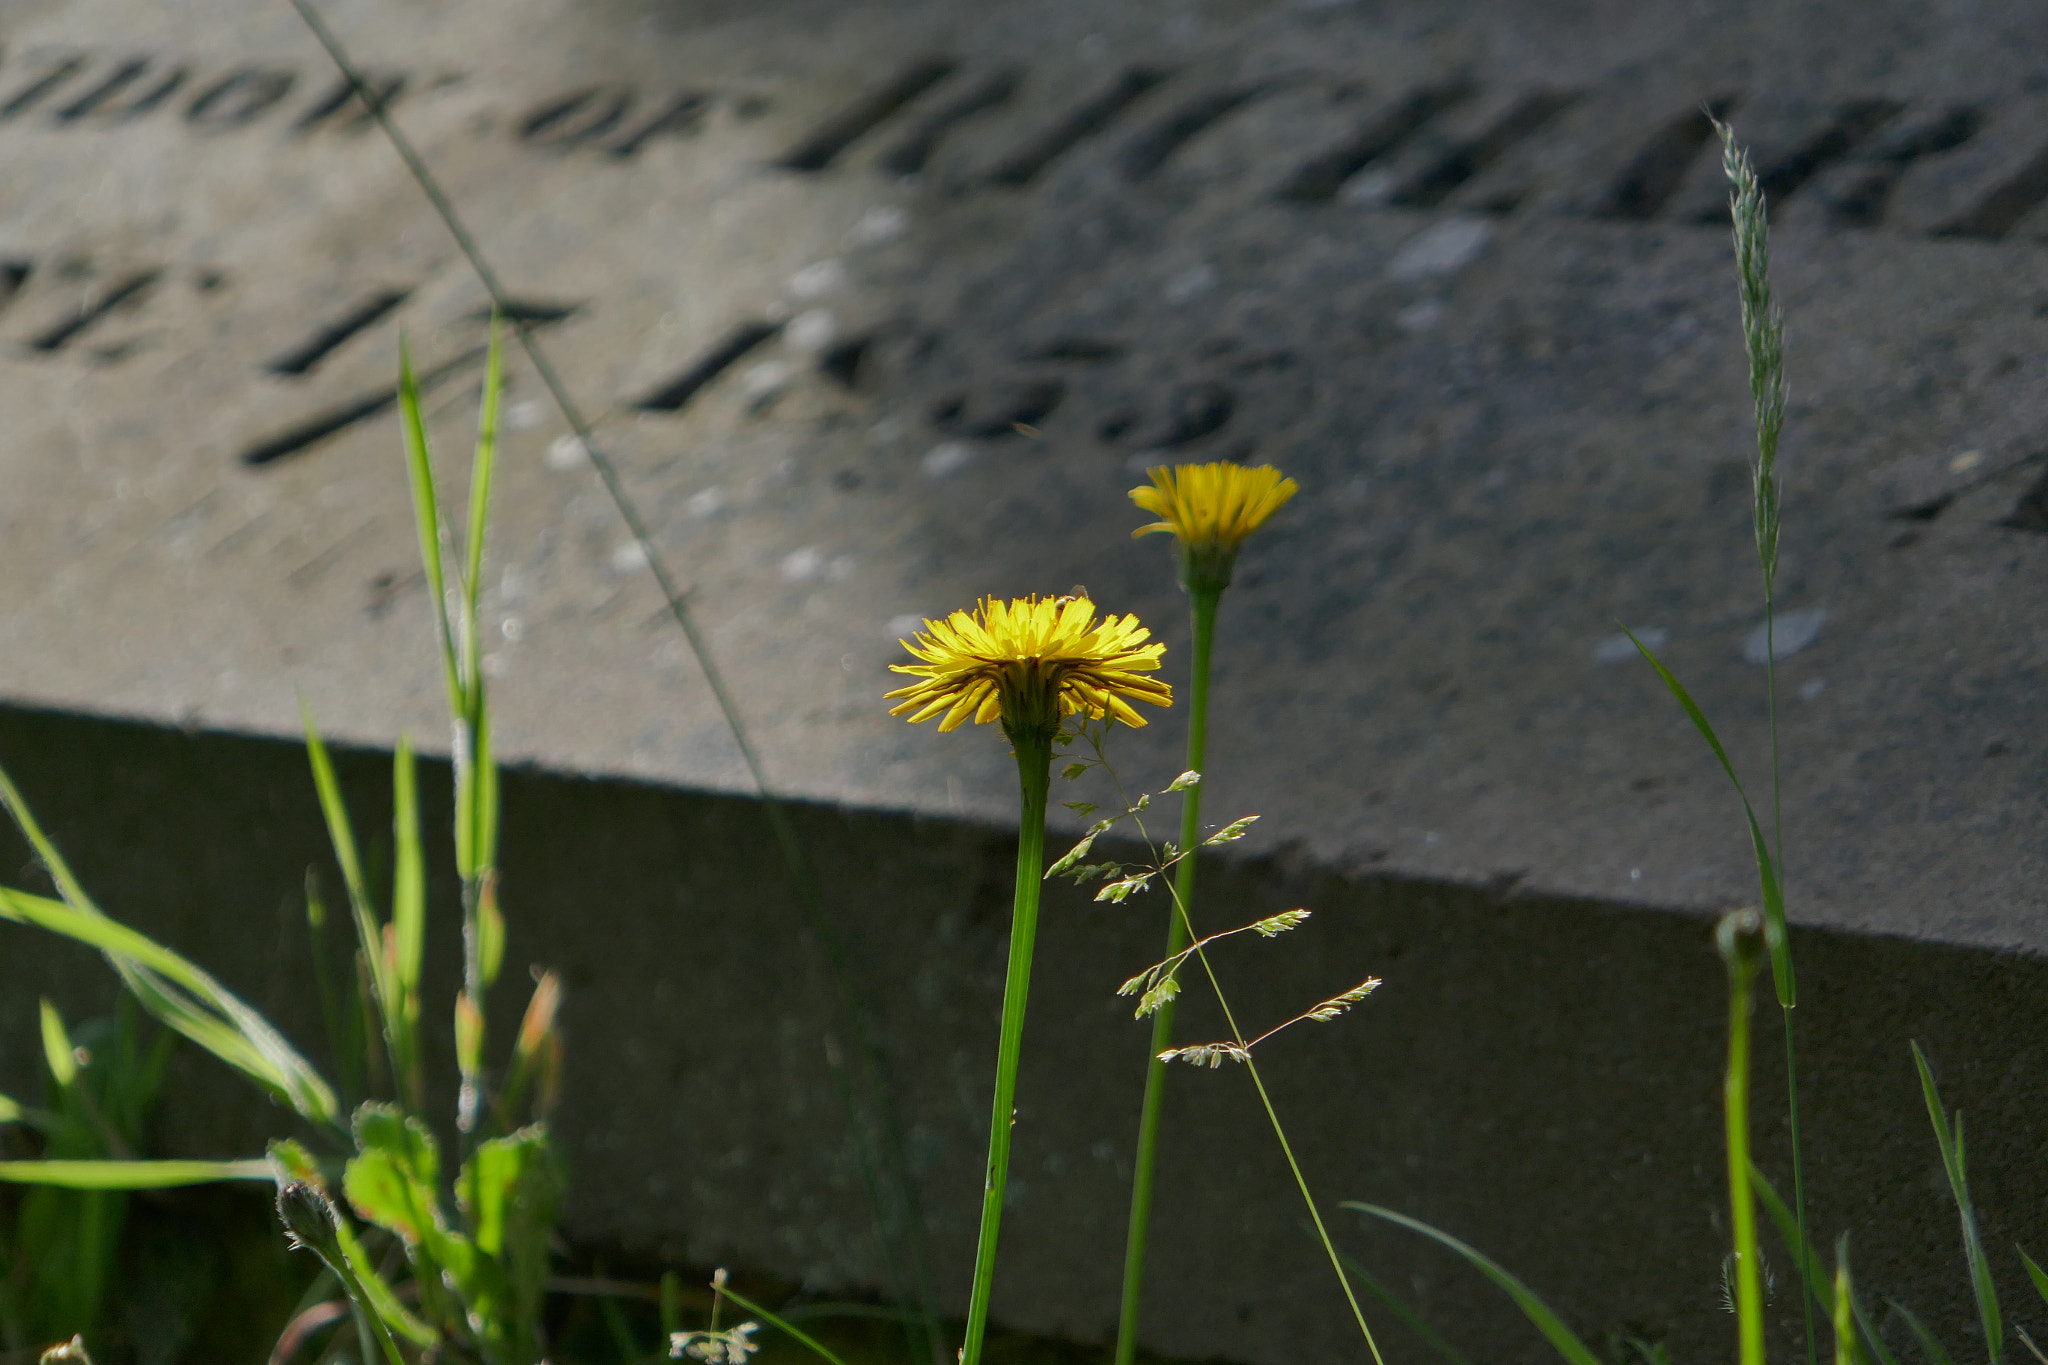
(883, 307)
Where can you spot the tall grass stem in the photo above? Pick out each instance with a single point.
(1034, 774)
(1739, 938)
(1203, 601)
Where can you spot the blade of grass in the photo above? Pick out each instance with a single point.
(408, 928)
(2035, 1273)
(1398, 1306)
(184, 997)
(1953, 1163)
(1562, 1338)
(130, 1175)
(1766, 868)
(426, 507)
(1788, 1232)
(1930, 1345)
(381, 998)
(1843, 1315)
(784, 1325)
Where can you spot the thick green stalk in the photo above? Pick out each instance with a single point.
(1204, 600)
(1034, 772)
(1738, 939)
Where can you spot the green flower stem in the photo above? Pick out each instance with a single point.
(1204, 600)
(1034, 772)
(1739, 938)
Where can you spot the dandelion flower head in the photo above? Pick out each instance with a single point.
(1213, 504)
(1030, 662)
(1210, 509)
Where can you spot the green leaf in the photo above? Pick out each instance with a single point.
(1184, 781)
(159, 978)
(1084, 809)
(10, 1109)
(783, 1325)
(1561, 1337)
(59, 1054)
(1953, 1163)
(508, 1189)
(2035, 1273)
(408, 877)
(291, 1163)
(187, 999)
(340, 833)
(426, 509)
(378, 1300)
(1074, 770)
(482, 465)
(131, 1175)
(1766, 870)
(490, 929)
(391, 1180)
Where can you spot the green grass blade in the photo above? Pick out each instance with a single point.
(130, 1175)
(1399, 1307)
(1953, 1163)
(1538, 1312)
(482, 467)
(1930, 1345)
(783, 1325)
(484, 790)
(1843, 1316)
(408, 923)
(1788, 1232)
(408, 874)
(2035, 1273)
(426, 507)
(1766, 869)
(59, 1054)
(68, 885)
(341, 834)
(187, 999)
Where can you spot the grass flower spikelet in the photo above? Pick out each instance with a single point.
(1030, 662)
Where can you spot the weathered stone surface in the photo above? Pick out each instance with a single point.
(883, 307)
(816, 266)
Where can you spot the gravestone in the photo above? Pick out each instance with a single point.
(880, 308)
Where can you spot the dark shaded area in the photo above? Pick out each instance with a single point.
(1538, 1076)
(1318, 180)
(737, 344)
(1460, 163)
(1091, 116)
(994, 90)
(823, 146)
(2001, 209)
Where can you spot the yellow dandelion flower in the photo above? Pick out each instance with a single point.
(1212, 506)
(1030, 662)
